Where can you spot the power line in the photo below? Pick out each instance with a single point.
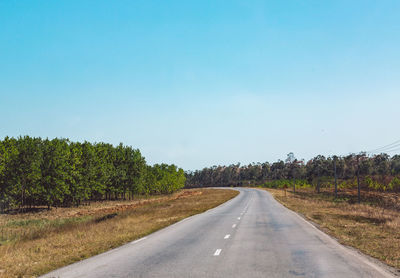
(396, 143)
(393, 150)
(386, 147)
(389, 145)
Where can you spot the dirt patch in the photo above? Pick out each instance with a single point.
(95, 208)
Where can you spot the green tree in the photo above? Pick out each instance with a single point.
(55, 171)
(77, 189)
(25, 174)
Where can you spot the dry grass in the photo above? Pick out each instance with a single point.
(373, 226)
(92, 230)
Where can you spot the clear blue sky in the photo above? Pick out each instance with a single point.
(200, 83)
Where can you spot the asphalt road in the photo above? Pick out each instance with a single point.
(251, 235)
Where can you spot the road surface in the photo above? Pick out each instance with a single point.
(251, 235)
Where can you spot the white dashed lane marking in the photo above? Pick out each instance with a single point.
(227, 236)
(217, 252)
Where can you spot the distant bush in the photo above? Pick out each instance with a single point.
(394, 184)
(375, 184)
(288, 183)
(346, 184)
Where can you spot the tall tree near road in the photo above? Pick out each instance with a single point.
(291, 160)
(26, 169)
(54, 171)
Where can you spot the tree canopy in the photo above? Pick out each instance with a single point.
(380, 168)
(58, 172)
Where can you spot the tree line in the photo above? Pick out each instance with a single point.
(58, 172)
(379, 172)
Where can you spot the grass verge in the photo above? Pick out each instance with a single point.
(372, 227)
(54, 239)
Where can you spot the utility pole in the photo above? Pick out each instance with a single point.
(291, 161)
(358, 179)
(318, 189)
(294, 185)
(294, 176)
(334, 166)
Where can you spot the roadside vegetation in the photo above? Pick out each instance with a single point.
(62, 201)
(37, 172)
(378, 172)
(372, 226)
(47, 240)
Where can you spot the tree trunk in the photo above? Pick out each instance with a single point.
(294, 186)
(334, 163)
(358, 181)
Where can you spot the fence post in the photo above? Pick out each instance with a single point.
(294, 185)
(334, 164)
(358, 180)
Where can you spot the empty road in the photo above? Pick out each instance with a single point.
(251, 235)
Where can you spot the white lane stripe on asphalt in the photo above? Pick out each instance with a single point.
(217, 252)
(234, 225)
(227, 236)
(238, 218)
(140, 239)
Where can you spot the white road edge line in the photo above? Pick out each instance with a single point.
(234, 225)
(227, 236)
(350, 252)
(140, 239)
(217, 252)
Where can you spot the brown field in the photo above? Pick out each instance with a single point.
(372, 226)
(35, 243)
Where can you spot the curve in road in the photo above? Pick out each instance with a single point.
(251, 235)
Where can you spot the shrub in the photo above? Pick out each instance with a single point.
(394, 184)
